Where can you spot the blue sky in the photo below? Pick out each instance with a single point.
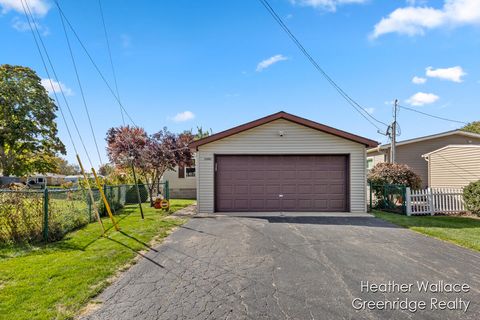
(217, 64)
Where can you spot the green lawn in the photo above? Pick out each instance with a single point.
(459, 230)
(55, 281)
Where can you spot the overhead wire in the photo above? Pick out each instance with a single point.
(94, 63)
(33, 26)
(357, 107)
(49, 77)
(129, 143)
(431, 115)
(79, 82)
(110, 56)
(34, 29)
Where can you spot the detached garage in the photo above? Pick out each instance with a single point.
(281, 163)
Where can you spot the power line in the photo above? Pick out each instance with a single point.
(110, 56)
(93, 63)
(81, 90)
(361, 110)
(431, 115)
(49, 77)
(33, 26)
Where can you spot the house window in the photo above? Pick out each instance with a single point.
(369, 164)
(186, 171)
(181, 172)
(190, 172)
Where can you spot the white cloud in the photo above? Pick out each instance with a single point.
(23, 26)
(416, 2)
(270, 61)
(184, 116)
(329, 5)
(370, 110)
(419, 80)
(454, 74)
(421, 98)
(415, 20)
(37, 7)
(54, 86)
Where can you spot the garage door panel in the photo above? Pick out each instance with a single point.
(275, 189)
(305, 189)
(306, 182)
(289, 205)
(225, 190)
(322, 204)
(339, 204)
(337, 189)
(257, 189)
(272, 204)
(289, 189)
(241, 190)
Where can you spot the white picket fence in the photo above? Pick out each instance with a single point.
(434, 200)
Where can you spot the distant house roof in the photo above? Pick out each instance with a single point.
(433, 136)
(452, 146)
(289, 117)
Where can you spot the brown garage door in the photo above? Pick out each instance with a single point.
(281, 183)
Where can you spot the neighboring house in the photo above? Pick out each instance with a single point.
(281, 163)
(410, 152)
(182, 182)
(453, 166)
(7, 180)
(54, 179)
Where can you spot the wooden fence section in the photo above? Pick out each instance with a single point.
(432, 201)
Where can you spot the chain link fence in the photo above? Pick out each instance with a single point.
(36, 215)
(387, 197)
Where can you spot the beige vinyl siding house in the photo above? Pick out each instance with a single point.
(182, 182)
(276, 135)
(453, 166)
(410, 152)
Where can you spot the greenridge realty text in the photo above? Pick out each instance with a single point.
(409, 304)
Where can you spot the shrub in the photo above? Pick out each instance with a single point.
(21, 216)
(393, 173)
(471, 197)
(132, 196)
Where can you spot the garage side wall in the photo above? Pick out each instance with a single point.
(265, 139)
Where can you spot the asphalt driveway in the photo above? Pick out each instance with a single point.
(299, 266)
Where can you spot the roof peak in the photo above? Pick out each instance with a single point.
(287, 116)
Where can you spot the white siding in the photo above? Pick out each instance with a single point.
(297, 139)
(179, 183)
(454, 167)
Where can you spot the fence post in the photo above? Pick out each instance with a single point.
(89, 203)
(430, 201)
(371, 201)
(408, 196)
(45, 214)
(167, 190)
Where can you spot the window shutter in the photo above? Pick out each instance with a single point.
(181, 172)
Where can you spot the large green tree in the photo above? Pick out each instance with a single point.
(28, 131)
(472, 127)
(66, 168)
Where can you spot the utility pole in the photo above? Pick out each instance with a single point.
(393, 133)
(138, 191)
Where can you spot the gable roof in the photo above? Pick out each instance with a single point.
(429, 137)
(285, 116)
(426, 155)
